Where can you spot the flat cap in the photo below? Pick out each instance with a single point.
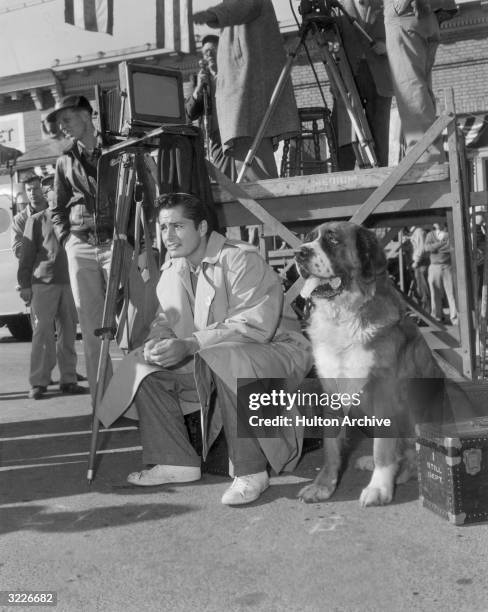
(69, 102)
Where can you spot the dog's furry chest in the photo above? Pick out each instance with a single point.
(339, 344)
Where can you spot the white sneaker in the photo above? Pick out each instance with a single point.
(246, 489)
(164, 474)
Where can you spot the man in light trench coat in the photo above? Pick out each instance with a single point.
(221, 317)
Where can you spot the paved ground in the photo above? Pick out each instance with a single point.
(113, 547)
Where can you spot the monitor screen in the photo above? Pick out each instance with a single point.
(156, 95)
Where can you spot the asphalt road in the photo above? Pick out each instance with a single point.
(113, 547)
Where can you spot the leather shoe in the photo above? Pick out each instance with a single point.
(246, 489)
(37, 392)
(72, 389)
(164, 474)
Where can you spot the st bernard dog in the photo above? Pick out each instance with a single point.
(363, 340)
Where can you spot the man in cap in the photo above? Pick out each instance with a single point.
(44, 284)
(84, 229)
(36, 203)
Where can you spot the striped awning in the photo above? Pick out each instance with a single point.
(472, 126)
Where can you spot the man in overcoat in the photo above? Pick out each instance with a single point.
(222, 317)
(250, 58)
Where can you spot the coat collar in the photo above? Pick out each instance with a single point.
(215, 245)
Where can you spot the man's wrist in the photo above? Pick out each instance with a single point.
(192, 345)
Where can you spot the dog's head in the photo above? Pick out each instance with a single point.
(340, 257)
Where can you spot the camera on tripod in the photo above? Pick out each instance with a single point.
(317, 12)
(313, 7)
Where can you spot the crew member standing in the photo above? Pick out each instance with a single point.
(83, 230)
(369, 66)
(44, 284)
(412, 38)
(250, 58)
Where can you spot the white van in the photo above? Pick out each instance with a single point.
(13, 312)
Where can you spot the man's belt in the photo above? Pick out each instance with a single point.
(99, 237)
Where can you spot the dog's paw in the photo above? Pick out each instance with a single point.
(375, 496)
(315, 493)
(366, 462)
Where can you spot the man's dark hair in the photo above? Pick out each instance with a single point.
(210, 38)
(194, 209)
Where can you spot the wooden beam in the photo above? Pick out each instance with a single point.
(403, 167)
(326, 183)
(458, 233)
(315, 208)
(277, 228)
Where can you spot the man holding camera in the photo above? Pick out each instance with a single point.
(201, 105)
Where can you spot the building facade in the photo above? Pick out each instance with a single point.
(461, 64)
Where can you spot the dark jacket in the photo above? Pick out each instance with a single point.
(440, 250)
(75, 187)
(41, 258)
(18, 227)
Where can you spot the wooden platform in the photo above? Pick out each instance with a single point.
(392, 197)
(425, 191)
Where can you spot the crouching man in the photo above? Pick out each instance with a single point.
(221, 317)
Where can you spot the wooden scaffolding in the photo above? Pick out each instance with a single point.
(409, 194)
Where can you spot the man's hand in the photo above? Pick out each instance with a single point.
(203, 80)
(170, 351)
(379, 47)
(208, 17)
(26, 295)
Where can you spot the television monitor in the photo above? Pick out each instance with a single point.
(150, 96)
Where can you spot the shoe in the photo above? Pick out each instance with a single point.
(37, 392)
(246, 489)
(164, 474)
(454, 321)
(80, 377)
(72, 389)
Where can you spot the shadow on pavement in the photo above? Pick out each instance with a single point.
(44, 519)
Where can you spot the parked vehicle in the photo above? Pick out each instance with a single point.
(13, 312)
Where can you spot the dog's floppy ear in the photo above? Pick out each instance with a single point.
(370, 254)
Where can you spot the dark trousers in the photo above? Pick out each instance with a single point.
(164, 435)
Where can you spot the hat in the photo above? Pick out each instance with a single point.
(47, 181)
(29, 178)
(69, 102)
(210, 38)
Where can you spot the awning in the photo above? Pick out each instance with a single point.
(44, 154)
(8, 157)
(472, 127)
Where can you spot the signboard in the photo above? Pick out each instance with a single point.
(12, 131)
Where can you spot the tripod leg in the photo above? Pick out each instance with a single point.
(125, 187)
(275, 96)
(349, 96)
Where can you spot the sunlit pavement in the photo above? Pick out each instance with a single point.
(111, 546)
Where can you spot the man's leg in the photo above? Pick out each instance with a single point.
(248, 460)
(263, 165)
(245, 453)
(411, 44)
(164, 436)
(66, 320)
(43, 308)
(449, 289)
(422, 286)
(435, 285)
(88, 269)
